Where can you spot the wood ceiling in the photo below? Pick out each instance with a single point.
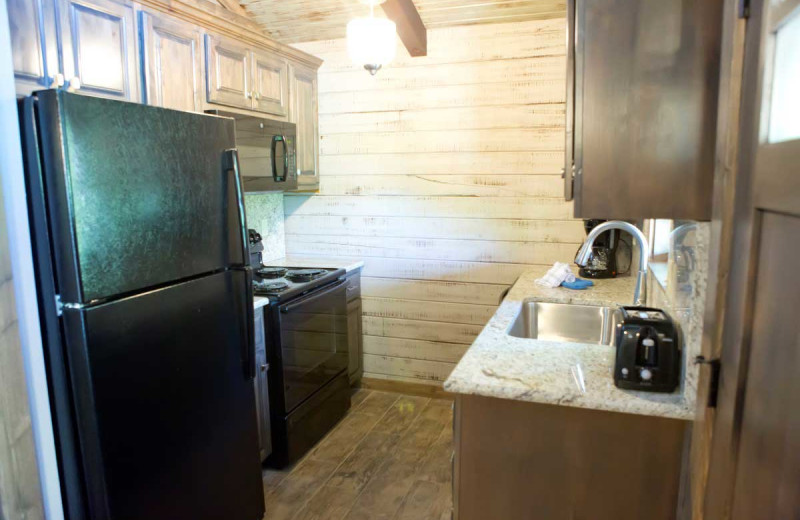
(292, 21)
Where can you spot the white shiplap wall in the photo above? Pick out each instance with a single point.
(442, 172)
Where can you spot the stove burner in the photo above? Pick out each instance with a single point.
(304, 275)
(271, 272)
(263, 286)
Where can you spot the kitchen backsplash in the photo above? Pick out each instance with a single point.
(265, 215)
(682, 291)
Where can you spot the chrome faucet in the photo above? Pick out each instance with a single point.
(585, 252)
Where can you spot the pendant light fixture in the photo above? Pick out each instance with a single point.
(371, 42)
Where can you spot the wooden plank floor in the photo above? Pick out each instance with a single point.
(388, 459)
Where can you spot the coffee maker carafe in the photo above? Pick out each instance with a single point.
(603, 261)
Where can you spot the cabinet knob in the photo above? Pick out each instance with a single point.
(263, 368)
(74, 84)
(249, 95)
(58, 81)
(256, 95)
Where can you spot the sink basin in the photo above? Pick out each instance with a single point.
(566, 322)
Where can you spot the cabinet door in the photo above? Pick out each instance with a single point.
(354, 340)
(270, 84)
(262, 404)
(171, 63)
(228, 73)
(645, 108)
(98, 42)
(33, 44)
(261, 388)
(305, 115)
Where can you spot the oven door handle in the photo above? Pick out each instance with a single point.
(311, 297)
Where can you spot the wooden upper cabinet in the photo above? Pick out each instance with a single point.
(171, 63)
(241, 77)
(642, 86)
(33, 41)
(228, 73)
(98, 42)
(270, 84)
(305, 114)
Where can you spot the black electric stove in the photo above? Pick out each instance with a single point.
(281, 284)
(307, 353)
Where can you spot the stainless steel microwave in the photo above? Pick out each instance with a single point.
(267, 152)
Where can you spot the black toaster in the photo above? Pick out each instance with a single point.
(648, 351)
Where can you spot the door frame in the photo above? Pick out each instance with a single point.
(732, 276)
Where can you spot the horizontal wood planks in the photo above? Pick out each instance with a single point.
(307, 20)
(443, 174)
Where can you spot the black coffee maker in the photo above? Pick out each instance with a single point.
(603, 261)
(255, 246)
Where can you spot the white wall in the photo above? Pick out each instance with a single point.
(29, 486)
(443, 173)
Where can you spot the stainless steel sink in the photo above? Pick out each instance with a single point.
(566, 322)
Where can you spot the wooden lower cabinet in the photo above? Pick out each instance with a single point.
(531, 461)
(355, 336)
(261, 384)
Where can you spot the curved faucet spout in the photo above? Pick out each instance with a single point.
(585, 252)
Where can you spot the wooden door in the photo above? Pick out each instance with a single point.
(754, 470)
(33, 44)
(171, 63)
(305, 114)
(270, 84)
(228, 73)
(98, 41)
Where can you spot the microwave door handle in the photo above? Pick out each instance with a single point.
(231, 166)
(285, 158)
(274, 149)
(313, 296)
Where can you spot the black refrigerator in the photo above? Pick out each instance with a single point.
(145, 294)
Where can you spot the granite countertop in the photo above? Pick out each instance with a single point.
(539, 371)
(260, 301)
(346, 263)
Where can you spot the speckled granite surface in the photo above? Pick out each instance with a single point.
(348, 264)
(265, 214)
(683, 294)
(567, 374)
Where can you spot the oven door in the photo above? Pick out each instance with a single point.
(314, 346)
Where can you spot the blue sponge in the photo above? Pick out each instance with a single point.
(579, 284)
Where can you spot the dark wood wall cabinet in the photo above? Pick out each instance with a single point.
(531, 461)
(642, 84)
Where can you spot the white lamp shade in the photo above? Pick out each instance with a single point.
(371, 41)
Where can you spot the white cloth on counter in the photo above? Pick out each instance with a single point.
(560, 272)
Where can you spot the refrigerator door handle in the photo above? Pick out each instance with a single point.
(250, 348)
(231, 163)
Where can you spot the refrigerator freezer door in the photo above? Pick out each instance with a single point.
(138, 196)
(166, 415)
